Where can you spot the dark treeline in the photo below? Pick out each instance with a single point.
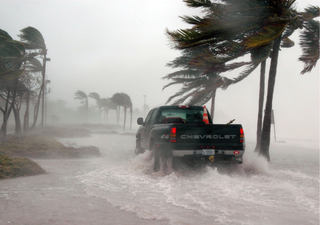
(22, 78)
(117, 101)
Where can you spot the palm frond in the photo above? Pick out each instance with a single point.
(310, 13)
(34, 65)
(309, 42)
(198, 3)
(250, 68)
(94, 95)
(33, 38)
(80, 95)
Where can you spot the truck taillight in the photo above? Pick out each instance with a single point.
(241, 135)
(173, 134)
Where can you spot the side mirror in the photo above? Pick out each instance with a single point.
(140, 121)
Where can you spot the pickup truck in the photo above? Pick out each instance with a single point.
(187, 132)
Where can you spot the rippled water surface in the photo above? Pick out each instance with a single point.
(286, 191)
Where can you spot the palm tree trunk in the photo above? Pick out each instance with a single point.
(36, 110)
(260, 110)
(43, 89)
(213, 100)
(87, 111)
(26, 114)
(6, 113)
(265, 136)
(16, 113)
(131, 111)
(118, 114)
(125, 117)
(107, 114)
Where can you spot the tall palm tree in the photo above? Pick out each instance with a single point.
(33, 40)
(248, 26)
(99, 103)
(12, 56)
(103, 103)
(109, 104)
(83, 100)
(123, 100)
(127, 105)
(34, 67)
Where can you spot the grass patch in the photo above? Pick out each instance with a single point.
(39, 146)
(17, 167)
(16, 149)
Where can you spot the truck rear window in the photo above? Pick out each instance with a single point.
(183, 115)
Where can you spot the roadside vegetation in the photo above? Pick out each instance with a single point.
(17, 151)
(17, 167)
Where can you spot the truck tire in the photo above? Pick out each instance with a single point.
(138, 150)
(156, 156)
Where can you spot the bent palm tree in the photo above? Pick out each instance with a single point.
(33, 40)
(249, 26)
(122, 99)
(33, 66)
(99, 103)
(83, 100)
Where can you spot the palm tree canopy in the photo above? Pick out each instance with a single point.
(122, 99)
(81, 96)
(33, 38)
(309, 42)
(94, 95)
(34, 65)
(239, 27)
(11, 56)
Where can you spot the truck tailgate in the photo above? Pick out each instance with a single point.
(217, 136)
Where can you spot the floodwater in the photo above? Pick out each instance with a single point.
(121, 188)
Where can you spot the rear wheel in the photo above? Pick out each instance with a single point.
(138, 149)
(156, 156)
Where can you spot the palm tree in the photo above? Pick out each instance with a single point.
(83, 100)
(103, 103)
(96, 97)
(12, 56)
(33, 40)
(109, 104)
(127, 104)
(34, 67)
(248, 27)
(122, 99)
(21, 89)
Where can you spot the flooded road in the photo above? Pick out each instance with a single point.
(121, 188)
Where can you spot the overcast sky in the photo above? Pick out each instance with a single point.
(109, 46)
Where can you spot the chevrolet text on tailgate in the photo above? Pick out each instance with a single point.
(187, 132)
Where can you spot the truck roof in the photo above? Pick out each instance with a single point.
(179, 106)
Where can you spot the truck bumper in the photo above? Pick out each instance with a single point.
(226, 155)
(182, 153)
(220, 156)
